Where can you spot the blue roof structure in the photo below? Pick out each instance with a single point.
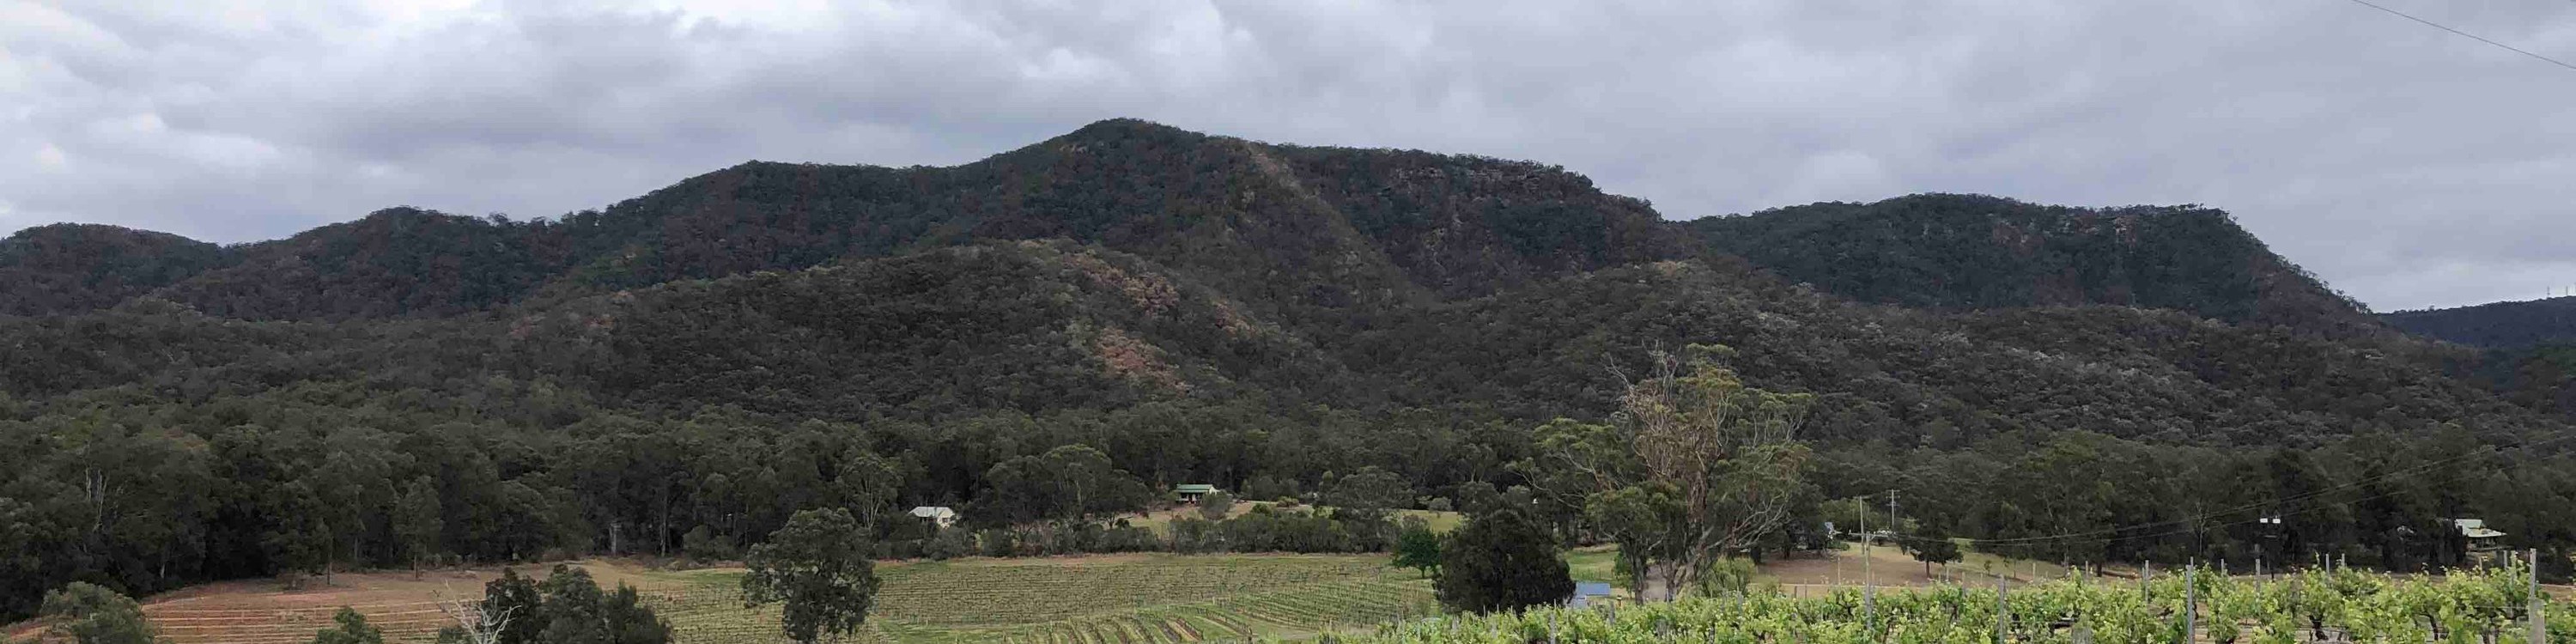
(1585, 592)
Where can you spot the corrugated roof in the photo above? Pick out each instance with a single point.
(1195, 488)
(2475, 528)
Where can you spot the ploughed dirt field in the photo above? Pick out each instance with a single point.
(263, 612)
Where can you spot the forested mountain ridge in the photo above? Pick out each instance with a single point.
(1319, 231)
(396, 262)
(2500, 325)
(79, 267)
(1344, 226)
(711, 357)
(1977, 252)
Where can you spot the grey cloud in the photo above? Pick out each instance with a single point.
(2407, 166)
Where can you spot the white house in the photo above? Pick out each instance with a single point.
(2481, 538)
(936, 514)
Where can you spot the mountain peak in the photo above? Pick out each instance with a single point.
(1127, 127)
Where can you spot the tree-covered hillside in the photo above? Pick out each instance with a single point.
(680, 372)
(1972, 252)
(2502, 325)
(2530, 347)
(80, 267)
(398, 262)
(1914, 378)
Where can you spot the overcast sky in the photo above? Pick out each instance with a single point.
(2408, 166)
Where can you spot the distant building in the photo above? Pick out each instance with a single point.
(2481, 538)
(936, 514)
(1588, 594)
(1191, 492)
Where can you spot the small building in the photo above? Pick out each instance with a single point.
(1190, 492)
(2480, 537)
(1588, 594)
(938, 515)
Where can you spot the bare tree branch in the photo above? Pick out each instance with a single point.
(480, 627)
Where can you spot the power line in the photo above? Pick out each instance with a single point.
(2435, 25)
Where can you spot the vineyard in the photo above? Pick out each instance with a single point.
(402, 622)
(1136, 599)
(2489, 607)
(1118, 599)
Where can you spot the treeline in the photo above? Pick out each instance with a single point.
(2375, 501)
(143, 496)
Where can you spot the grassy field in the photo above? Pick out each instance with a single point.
(1132, 599)
(1596, 563)
(1160, 521)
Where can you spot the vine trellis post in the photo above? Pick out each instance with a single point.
(2539, 622)
(2003, 612)
(2190, 602)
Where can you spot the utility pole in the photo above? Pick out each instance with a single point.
(1892, 524)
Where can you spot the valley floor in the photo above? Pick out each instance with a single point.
(1128, 598)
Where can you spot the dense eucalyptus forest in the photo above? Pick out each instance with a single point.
(1130, 306)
